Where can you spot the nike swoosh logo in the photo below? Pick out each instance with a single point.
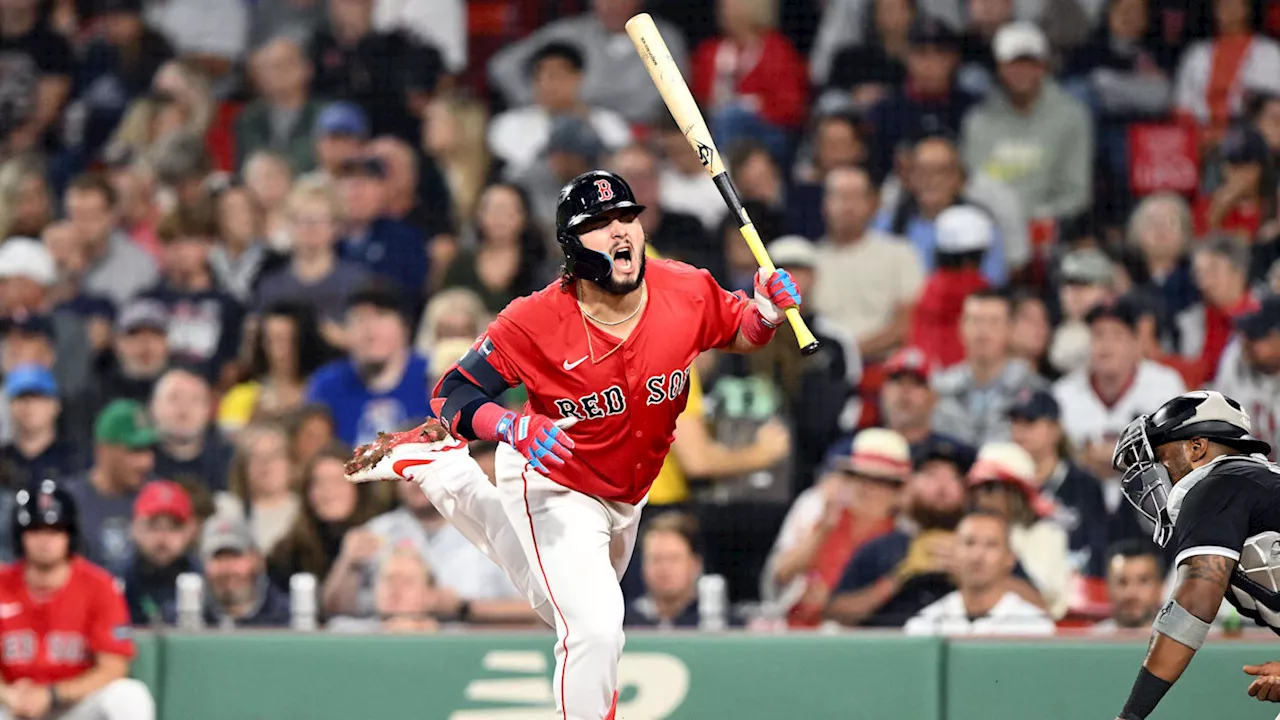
(401, 465)
(569, 366)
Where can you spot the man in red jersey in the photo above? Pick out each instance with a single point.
(65, 645)
(606, 351)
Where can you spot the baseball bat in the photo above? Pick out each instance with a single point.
(675, 93)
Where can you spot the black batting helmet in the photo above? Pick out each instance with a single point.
(44, 506)
(584, 198)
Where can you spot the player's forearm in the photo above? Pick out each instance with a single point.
(754, 332)
(109, 668)
(1179, 630)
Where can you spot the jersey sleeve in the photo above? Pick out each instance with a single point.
(110, 631)
(500, 344)
(1214, 516)
(722, 314)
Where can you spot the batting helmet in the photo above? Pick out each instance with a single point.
(583, 199)
(44, 506)
(1202, 413)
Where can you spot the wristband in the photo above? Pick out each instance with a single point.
(755, 328)
(1145, 695)
(54, 700)
(491, 422)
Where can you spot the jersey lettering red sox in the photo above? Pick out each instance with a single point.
(58, 638)
(627, 400)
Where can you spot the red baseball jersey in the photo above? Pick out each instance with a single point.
(57, 639)
(625, 394)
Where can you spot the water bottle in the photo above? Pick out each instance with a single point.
(190, 601)
(302, 601)
(713, 603)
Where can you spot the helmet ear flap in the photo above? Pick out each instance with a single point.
(582, 262)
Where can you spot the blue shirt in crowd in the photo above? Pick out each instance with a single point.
(393, 250)
(358, 413)
(923, 236)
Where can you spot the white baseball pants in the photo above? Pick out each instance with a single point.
(123, 699)
(565, 550)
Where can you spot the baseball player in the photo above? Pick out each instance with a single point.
(1194, 469)
(64, 627)
(605, 351)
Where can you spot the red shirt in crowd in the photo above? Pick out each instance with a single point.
(1218, 326)
(845, 539)
(58, 638)
(935, 323)
(772, 72)
(626, 394)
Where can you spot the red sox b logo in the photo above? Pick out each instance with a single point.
(604, 190)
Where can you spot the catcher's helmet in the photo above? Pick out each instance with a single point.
(585, 198)
(44, 506)
(1203, 413)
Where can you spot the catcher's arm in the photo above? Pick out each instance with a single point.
(1202, 583)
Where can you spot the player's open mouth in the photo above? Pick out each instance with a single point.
(622, 258)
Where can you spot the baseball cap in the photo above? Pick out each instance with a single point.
(1263, 321)
(1008, 463)
(1243, 145)
(1122, 310)
(574, 136)
(23, 257)
(1019, 40)
(226, 533)
(164, 497)
(877, 453)
(30, 380)
(342, 118)
(963, 229)
(1035, 405)
(909, 361)
(30, 324)
(793, 251)
(143, 314)
(1087, 266)
(931, 32)
(938, 447)
(124, 422)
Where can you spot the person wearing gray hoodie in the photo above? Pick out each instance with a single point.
(1029, 132)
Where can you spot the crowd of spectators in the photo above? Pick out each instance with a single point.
(240, 238)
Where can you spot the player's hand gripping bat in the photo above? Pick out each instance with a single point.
(662, 68)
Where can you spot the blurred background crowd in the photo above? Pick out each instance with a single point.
(241, 237)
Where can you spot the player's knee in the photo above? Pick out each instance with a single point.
(600, 633)
(127, 699)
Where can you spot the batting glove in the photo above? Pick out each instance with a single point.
(774, 295)
(537, 438)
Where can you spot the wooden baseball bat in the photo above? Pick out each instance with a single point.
(675, 93)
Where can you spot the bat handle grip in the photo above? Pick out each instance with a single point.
(804, 336)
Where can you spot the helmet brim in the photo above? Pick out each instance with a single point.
(1220, 432)
(604, 209)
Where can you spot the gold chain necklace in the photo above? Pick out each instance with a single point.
(644, 295)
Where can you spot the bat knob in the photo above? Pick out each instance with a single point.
(811, 348)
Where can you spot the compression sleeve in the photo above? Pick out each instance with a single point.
(466, 390)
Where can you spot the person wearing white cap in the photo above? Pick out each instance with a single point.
(965, 236)
(826, 386)
(1003, 481)
(1030, 133)
(27, 272)
(856, 500)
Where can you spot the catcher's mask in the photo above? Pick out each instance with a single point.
(1203, 413)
